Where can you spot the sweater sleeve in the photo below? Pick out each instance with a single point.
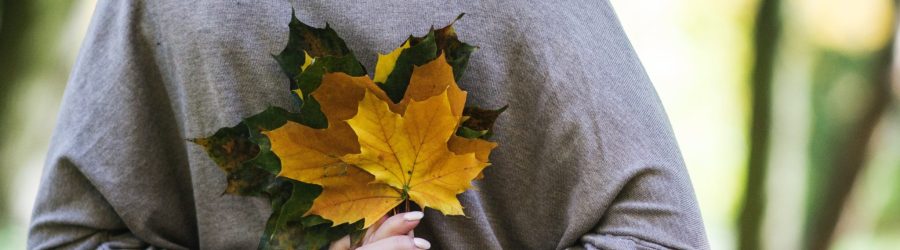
(653, 204)
(116, 174)
(655, 209)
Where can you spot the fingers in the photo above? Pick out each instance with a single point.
(399, 224)
(372, 229)
(395, 232)
(399, 242)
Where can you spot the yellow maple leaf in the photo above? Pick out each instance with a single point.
(371, 158)
(411, 153)
(312, 156)
(350, 195)
(481, 148)
(430, 80)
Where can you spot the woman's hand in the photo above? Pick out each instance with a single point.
(394, 233)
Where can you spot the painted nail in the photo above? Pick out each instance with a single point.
(414, 215)
(421, 243)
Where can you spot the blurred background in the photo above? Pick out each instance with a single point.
(785, 111)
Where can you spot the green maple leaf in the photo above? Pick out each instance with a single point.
(244, 153)
(230, 148)
(424, 49)
(287, 228)
(417, 54)
(304, 39)
(457, 52)
(480, 122)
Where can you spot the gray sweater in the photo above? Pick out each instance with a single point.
(587, 158)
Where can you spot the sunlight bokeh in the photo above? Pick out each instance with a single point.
(697, 60)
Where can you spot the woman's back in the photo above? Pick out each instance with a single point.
(587, 157)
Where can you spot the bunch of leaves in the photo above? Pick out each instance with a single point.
(325, 170)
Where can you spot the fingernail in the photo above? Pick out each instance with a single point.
(421, 243)
(414, 215)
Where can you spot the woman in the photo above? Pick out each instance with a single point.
(587, 157)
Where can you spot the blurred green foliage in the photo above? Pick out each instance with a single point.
(812, 80)
(30, 61)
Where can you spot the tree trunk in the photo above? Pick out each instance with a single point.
(838, 150)
(766, 34)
